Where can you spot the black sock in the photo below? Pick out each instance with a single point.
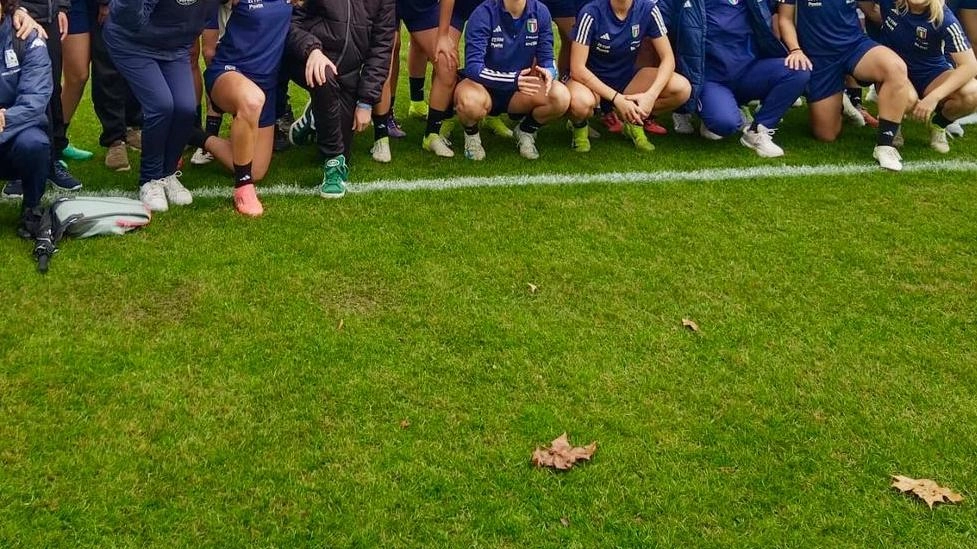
(581, 124)
(516, 117)
(434, 120)
(754, 125)
(213, 124)
(380, 126)
(887, 132)
(198, 137)
(416, 88)
(471, 130)
(198, 115)
(855, 96)
(530, 124)
(393, 105)
(242, 175)
(940, 120)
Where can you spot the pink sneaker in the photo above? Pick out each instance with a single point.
(246, 201)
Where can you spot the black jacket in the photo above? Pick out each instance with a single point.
(356, 35)
(45, 11)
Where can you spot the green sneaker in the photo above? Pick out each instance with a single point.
(438, 145)
(303, 130)
(418, 109)
(497, 126)
(638, 137)
(73, 153)
(335, 174)
(447, 127)
(581, 139)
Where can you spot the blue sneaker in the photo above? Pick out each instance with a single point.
(62, 178)
(13, 189)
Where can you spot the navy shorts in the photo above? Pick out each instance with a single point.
(213, 22)
(921, 79)
(828, 76)
(269, 86)
(562, 8)
(80, 17)
(500, 100)
(421, 21)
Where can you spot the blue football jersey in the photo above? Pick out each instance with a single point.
(827, 28)
(254, 38)
(613, 42)
(729, 39)
(498, 47)
(921, 44)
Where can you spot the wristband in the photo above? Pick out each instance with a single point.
(615, 97)
(363, 105)
(793, 50)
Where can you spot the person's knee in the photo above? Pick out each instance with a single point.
(471, 103)
(582, 104)
(679, 88)
(251, 105)
(797, 78)
(559, 97)
(77, 77)
(723, 122)
(444, 73)
(158, 107)
(32, 144)
(827, 133)
(967, 96)
(894, 72)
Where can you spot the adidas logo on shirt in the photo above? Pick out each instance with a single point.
(498, 28)
(605, 36)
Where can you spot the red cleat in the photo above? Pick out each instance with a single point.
(612, 122)
(869, 119)
(653, 127)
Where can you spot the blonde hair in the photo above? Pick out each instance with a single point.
(935, 8)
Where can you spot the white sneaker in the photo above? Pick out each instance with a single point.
(969, 119)
(888, 157)
(705, 132)
(438, 145)
(872, 96)
(526, 143)
(761, 141)
(175, 191)
(152, 195)
(954, 129)
(799, 102)
(746, 117)
(850, 112)
(381, 150)
(201, 157)
(898, 141)
(473, 147)
(938, 139)
(683, 123)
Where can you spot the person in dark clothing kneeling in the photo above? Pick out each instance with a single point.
(25, 90)
(340, 50)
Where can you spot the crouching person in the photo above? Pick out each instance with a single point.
(340, 51)
(25, 90)
(509, 67)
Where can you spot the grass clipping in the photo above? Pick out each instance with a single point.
(926, 489)
(561, 455)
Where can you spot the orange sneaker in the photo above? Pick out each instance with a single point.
(246, 201)
(869, 119)
(653, 127)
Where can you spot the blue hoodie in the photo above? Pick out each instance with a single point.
(25, 82)
(158, 29)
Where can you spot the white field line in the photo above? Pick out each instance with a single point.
(613, 178)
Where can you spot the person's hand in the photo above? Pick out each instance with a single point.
(797, 60)
(318, 68)
(629, 109)
(923, 109)
(447, 48)
(645, 102)
(24, 24)
(3, 119)
(547, 77)
(528, 82)
(361, 118)
(63, 24)
(103, 14)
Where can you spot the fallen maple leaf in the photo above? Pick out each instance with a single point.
(561, 455)
(926, 489)
(690, 325)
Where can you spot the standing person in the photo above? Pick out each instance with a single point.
(732, 59)
(828, 40)
(149, 41)
(606, 42)
(25, 92)
(340, 50)
(53, 16)
(116, 107)
(77, 56)
(242, 80)
(509, 67)
(923, 33)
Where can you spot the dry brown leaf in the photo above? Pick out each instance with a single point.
(561, 455)
(532, 287)
(565, 522)
(340, 326)
(404, 423)
(926, 489)
(691, 325)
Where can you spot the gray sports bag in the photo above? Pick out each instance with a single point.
(86, 216)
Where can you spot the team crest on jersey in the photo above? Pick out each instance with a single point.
(635, 31)
(186, 2)
(532, 25)
(921, 33)
(733, 2)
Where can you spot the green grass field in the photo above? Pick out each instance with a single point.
(220, 381)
